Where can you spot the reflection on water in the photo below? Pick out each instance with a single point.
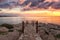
(15, 20)
(10, 20)
(46, 19)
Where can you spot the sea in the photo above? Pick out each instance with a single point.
(10, 20)
(16, 20)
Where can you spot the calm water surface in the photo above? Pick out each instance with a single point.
(16, 20)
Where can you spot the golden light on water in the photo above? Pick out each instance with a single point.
(48, 19)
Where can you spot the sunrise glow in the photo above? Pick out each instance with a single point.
(34, 12)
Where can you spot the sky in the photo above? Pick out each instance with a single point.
(7, 0)
(33, 3)
(29, 4)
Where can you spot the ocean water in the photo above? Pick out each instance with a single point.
(10, 20)
(16, 20)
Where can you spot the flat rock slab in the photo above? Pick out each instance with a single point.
(30, 33)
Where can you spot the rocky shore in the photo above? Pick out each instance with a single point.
(30, 30)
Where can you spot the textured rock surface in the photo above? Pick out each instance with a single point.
(30, 33)
(10, 36)
(3, 29)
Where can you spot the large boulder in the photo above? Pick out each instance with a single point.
(3, 29)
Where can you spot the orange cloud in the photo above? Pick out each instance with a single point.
(52, 0)
(21, 1)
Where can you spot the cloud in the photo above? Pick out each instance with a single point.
(56, 5)
(9, 15)
(35, 3)
(44, 4)
(8, 3)
(1, 0)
